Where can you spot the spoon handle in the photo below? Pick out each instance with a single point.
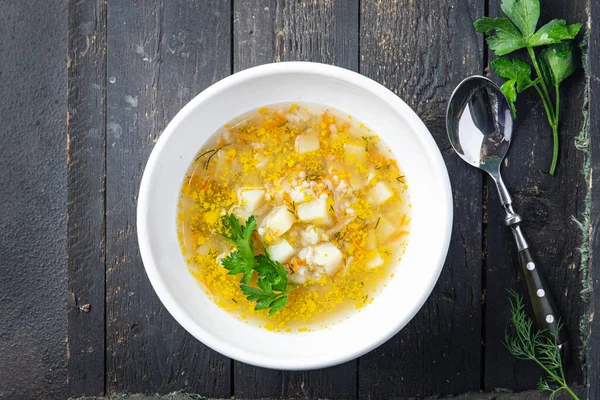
(543, 305)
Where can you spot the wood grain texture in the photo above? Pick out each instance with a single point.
(290, 30)
(421, 51)
(160, 55)
(593, 353)
(547, 205)
(85, 208)
(33, 195)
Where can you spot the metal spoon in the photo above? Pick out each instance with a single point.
(479, 125)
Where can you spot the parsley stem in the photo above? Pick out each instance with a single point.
(542, 80)
(555, 133)
(557, 107)
(553, 121)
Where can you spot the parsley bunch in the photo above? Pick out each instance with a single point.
(273, 287)
(552, 65)
(524, 344)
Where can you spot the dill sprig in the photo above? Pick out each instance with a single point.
(524, 344)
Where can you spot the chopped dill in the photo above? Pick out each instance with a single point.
(366, 139)
(203, 154)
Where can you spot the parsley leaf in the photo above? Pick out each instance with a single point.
(509, 90)
(242, 260)
(523, 13)
(554, 32)
(507, 38)
(558, 62)
(273, 287)
(518, 73)
(515, 69)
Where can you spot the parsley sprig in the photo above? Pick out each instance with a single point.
(552, 65)
(272, 284)
(524, 344)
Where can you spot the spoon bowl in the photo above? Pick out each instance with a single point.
(479, 123)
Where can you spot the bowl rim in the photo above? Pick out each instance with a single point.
(298, 67)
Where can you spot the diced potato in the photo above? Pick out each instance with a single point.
(314, 211)
(281, 251)
(251, 198)
(279, 220)
(381, 192)
(375, 261)
(328, 256)
(354, 154)
(384, 229)
(306, 142)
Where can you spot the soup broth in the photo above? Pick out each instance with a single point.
(330, 202)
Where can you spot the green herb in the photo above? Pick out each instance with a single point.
(243, 260)
(312, 174)
(366, 139)
(339, 236)
(377, 224)
(524, 344)
(273, 287)
(552, 65)
(205, 153)
(212, 153)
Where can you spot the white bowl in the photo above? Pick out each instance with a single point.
(382, 111)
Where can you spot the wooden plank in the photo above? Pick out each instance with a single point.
(85, 208)
(160, 54)
(421, 51)
(593, 82)
(290, 30)
(547, 205)
(33, 177)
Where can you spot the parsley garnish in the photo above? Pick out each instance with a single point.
(556, 61)
(273, 287)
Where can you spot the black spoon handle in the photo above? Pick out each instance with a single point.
(544, 308)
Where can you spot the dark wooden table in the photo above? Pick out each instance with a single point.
(87, 86)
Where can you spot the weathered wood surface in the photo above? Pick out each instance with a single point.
(267, 31)
(160, 54)
(421, 51)
(86, 163)
(593, 82)
(131, 66)
(33, 195)
(548, 205)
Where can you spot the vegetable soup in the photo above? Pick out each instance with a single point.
(293, 216)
